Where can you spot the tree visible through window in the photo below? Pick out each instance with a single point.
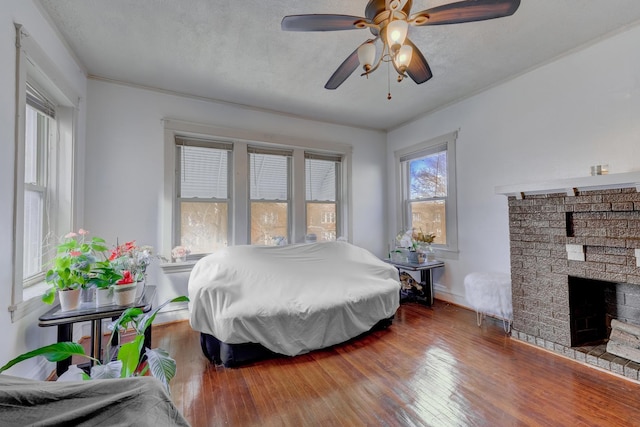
(428, 193)
(428, 190)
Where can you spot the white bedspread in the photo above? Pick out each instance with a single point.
(291, 299)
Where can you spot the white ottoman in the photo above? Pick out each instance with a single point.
(490, 293)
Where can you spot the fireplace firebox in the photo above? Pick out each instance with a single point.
(588, 310)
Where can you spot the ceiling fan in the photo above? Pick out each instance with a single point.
(389, 21)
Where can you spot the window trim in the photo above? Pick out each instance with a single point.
(242, 138)
(422, 149)
(33, 65)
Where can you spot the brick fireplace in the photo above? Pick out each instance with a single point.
(575, 265)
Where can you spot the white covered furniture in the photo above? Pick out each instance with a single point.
(489, 293)
(291, 299)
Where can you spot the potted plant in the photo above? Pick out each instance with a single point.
(73, 268)
(179, 253)
(418, 243)
(131, 261)
(127, 361)
(104, 275)
(124, 291)
(132, 258)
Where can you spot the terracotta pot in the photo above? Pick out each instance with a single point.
(69, 299)
(125, 294)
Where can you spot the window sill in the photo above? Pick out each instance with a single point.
(177, 267)
(31, 303)
(446, 253)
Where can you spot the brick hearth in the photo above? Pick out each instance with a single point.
(584, 234)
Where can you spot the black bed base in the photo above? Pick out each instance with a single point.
(233, 355)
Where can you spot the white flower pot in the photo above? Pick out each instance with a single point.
(125, 294)
(140, 288)
(69, 299)
(87, 294)
(104, 296)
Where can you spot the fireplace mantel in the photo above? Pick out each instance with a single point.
(571, 186)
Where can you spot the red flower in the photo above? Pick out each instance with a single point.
(126, 278)
(115, 253)
(75, 253)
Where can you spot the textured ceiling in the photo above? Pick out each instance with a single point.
(235, 51)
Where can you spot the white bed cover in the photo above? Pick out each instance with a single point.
(291, 299)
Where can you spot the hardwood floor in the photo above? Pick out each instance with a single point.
(432, 367)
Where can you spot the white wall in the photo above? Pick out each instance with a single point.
(124, 167)
(25, 334)
(553, 122)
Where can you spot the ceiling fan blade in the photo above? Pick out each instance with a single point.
(466, 11)
(418, 68)
(345, 69)
(321, 22)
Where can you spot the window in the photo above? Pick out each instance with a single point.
(269, 194)
(203, 196)
(39, 121)
(277, 189)
(322, 182)
(44, 153)
(428, 190)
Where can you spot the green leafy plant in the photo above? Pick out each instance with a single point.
(104, 274)
(128, 361)
(76, 265)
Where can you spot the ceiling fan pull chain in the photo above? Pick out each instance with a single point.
(388, 81)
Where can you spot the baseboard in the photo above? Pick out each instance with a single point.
(460, 302)
(441, 293)
(173, 313)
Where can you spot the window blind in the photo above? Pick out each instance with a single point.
(40, 102)
(204, 172)
(252, 149)
(320, 177)
(269, 175)
(323, 156)
(424, 152)
(204, 143)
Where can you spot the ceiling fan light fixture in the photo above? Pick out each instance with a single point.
(403, 58)
(367, 55)
(388, 21)
(396, 33)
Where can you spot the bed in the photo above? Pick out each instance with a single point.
(251, 302)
